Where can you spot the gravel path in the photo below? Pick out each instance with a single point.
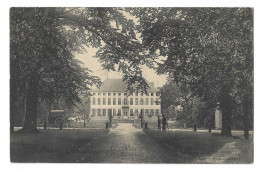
(124, 144)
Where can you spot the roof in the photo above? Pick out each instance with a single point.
(118, 85)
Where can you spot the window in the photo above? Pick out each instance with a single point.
(146, 112)
(109, 101)
(136, 101)
(109, 94)
(147, 101)
(94, 112)
(131, 101)
(119, 101)
(99, 112)
(136, 93)
(114, 112)
(104, 101)
(114, 101)
(94, 94)
(119, 112)
(99, 94)
(157, 101)
(119, 94)
(151, 101)
(109, 111)
(157, 94)
(151, 94)
(114, 94)
(131, 94)
(152, 112)
(104, 94)
(99, 101)
(136, 112)
(157, 112)
(142, 94)
(104, 112)
(94, 101)
(141, 101)
(125, 94)
(125, 113)
(131, 112)
(125, 101)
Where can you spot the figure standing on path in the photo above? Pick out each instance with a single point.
(163, 123)
(159, 123)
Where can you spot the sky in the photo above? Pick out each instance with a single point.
(95, 66)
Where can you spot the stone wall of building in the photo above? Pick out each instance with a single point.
(124, 104)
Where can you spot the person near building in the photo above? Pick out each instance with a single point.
(159, 122)
(164, 122)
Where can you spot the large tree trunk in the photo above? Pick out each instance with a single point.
(247, 111)
(30, 124)
(12, 107)
(13, 99)
(226, 106)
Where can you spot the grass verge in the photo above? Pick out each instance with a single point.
(188, 146)
(50, 145)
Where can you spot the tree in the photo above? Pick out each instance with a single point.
(170, 95)
(42, 44)
(41, 62)
(193, 109)
(208, 49)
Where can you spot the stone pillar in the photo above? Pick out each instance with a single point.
(218, 119)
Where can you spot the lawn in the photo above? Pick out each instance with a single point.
(69, 145)
(188, 147)
(51, 145)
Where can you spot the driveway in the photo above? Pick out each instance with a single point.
(127, 144)
(124, 144)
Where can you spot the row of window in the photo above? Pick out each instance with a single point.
(117, 112)
(126, 94)
(114, 101)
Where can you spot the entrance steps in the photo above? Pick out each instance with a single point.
(125, 121)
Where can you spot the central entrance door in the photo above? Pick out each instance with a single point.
(125, 113)
(125, 110)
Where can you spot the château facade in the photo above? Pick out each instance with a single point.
(113, 96)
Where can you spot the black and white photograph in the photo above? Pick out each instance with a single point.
(131, 85)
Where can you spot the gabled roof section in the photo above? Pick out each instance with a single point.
(118, 85)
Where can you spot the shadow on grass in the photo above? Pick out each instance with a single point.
(186, 146)
(50, 146)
